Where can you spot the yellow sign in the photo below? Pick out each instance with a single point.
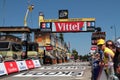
(66, 20)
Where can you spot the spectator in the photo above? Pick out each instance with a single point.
(108, 55)
(110, 45)
(14, 56)
(102, 46)
(1, 58)
(117, 58)
(23, 55)
(95, 66)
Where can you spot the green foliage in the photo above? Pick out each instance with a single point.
(61, 36)
(75, 54)
(84, 57)
(81, 57)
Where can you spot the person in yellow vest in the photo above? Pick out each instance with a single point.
(108, 55)
(101, 45)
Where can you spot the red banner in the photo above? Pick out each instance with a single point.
(30, 64)
(11, 67)
(69, 26)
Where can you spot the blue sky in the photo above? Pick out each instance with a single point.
(106, 13)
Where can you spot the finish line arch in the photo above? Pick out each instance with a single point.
(66, 25)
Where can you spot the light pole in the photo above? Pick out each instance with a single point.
(114, 30)
(25, 35)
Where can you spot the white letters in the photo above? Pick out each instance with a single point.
(68, 26)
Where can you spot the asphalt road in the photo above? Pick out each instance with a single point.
(64, 71)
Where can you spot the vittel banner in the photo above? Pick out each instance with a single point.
(30, 64)
(73, 26)
(22, 65)
(2, 69)
(11, 67)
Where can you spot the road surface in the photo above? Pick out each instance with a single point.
(64, 71)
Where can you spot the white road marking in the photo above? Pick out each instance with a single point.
(49, 74)
(64, 67)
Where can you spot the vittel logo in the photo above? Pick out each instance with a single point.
(69, 26)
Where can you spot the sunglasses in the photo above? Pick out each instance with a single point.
(100, 45)
(109, 45)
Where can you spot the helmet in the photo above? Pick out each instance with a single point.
(100, 41)
(117, 42)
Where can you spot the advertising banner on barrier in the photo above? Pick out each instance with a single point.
(36, 63)
(29, 64)
(2, 69)
(21, 65)
(11, 67)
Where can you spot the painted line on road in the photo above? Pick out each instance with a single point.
(64, 67)
(49, 74)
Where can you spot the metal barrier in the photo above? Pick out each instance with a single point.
(111, 75)
(106, 76)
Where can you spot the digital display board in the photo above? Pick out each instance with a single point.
(46, 26)
(97, 35)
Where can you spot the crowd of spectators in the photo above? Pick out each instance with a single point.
(107, 60)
